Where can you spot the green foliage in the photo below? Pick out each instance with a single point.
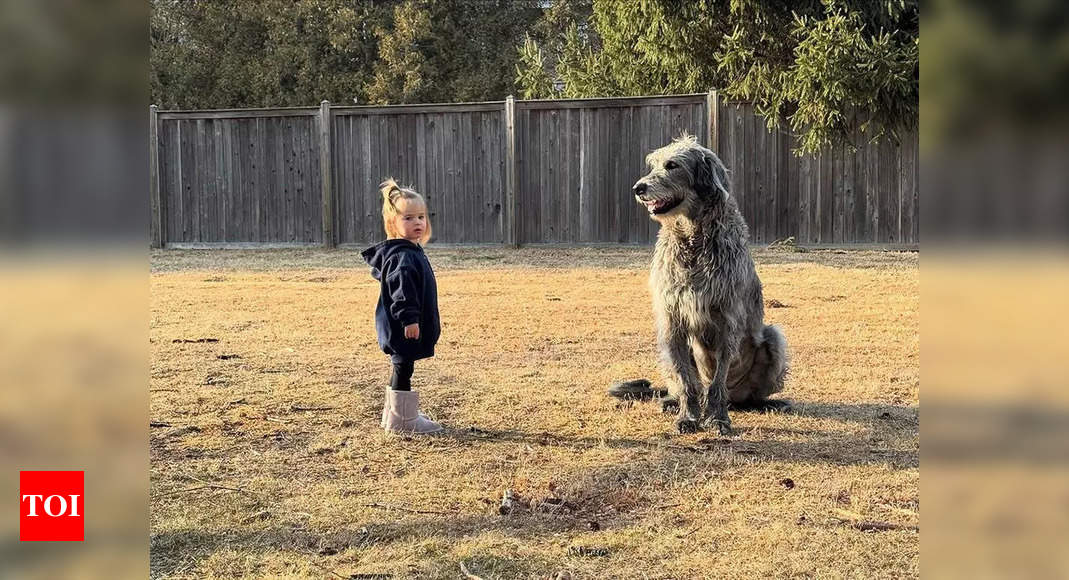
(582, 67)
(831, 68)
(824, 67)
(252, 53)
(531, 74)
(821, 66)
(450, 50)
(402, 71)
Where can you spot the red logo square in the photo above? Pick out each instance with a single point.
(51, 506)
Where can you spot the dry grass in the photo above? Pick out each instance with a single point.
(247, 484)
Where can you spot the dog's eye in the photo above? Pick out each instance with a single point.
(670, 165)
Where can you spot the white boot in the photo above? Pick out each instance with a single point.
(386, 409)
(403, 416)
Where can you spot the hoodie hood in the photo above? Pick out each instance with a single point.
(377, 255)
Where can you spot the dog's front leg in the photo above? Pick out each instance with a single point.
(682, 374)
(716, 408)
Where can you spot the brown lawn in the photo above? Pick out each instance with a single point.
(267, 458)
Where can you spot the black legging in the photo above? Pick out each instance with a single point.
(401, 380)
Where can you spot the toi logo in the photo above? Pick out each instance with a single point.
(51, 506)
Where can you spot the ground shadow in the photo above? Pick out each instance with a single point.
(895, 427)
(172, 552)
(866, 413)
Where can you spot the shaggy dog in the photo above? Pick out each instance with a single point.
(707, 303)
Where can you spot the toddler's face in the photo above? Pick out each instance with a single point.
(411, 219)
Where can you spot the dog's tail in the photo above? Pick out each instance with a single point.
(771, 363)
(636, 389)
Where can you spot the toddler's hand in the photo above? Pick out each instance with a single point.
(412, 331)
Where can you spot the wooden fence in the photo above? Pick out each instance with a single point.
(845, 195)
(511, 172)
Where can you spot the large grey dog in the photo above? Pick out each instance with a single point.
(707, 300)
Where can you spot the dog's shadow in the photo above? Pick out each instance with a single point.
(890, 438)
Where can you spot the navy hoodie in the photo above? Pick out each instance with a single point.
(408, 294)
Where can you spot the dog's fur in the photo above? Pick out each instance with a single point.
(707, 298)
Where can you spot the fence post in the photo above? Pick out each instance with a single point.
(712, 111)
(325, 163)
(156, 221)
(511, 235)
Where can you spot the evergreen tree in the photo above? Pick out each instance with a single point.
(262, 53)
(825, 67)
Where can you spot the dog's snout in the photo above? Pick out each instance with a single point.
(639, 188)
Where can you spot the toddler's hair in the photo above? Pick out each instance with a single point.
(391, 194)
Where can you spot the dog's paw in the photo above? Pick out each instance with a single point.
(721, 426)
(638, 389)
(777, 406)
(670, 405)
(687, 425)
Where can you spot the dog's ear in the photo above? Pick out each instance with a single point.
(710, 177)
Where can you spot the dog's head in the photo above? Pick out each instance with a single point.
(683, 177)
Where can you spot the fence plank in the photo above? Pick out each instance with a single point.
(193, 175)
(838, 171)
(232, 223)
(612, 169)
(261, 186)
(454, 215)
(749, 158)
(712, 117)
(269, 180)
(435, 163)
(872, 180)
(289, 210)
(532, 185)
(852, 178)
(298, 159)
(777, 216)
(325, 177)
(219, 171)
(551, 221)
(727, 147)
(610, 145)
(369, 227)
(313, 189)
(341, 177)
(760, 181)
(155, 219)
(794, 221)
(887, 217)
(602, 225)
(896, 194)
(171, 194)
(279, 200)
(644, 145)
(469, 193)
(440, 212)
(189, 179)
(906, 186)
(828, 178)
(804, 211)
(637, 230)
